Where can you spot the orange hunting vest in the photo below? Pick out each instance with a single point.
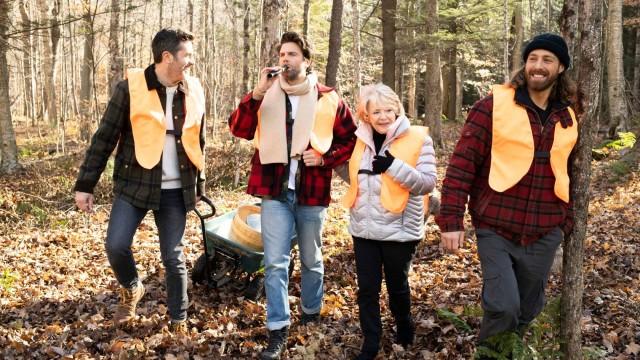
(147, 120)
(322, 132)
(512, 148)
(393, 196)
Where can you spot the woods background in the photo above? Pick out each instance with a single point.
(60, 59)
(64, 56)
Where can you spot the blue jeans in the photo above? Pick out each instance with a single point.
(280, 221)
(170, 220)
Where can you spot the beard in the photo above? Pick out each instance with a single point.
(540, 84)
(292, 73)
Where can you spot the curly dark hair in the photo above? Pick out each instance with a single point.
(564, 89)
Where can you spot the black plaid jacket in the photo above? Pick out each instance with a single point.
(133, 183)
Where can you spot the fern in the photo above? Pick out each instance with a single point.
(453, 318)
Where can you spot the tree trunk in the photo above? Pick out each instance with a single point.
(412, 111)
(452, 82)
(246, 46)
(516, 58)
(160, 7)
(55, 39)
(271, 14)
(305, 19)
(636, 78)
(588, 51)
(548, 15)
(9, 150)
(355, 24)
(213, 74)
(48, 16)
(72, 56)
(505, 47)
(85, 76)
(231, 12)
(569, 31)
(615, 72)
(115, 71)
(433, 76)
(389, 42)
(29, 80)
(335, 43)
(190, 15)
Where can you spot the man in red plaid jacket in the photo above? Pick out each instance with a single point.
(301, 130)
(512, 164)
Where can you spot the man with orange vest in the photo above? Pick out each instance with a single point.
(301, 131)
(155, 117)
(512, 163)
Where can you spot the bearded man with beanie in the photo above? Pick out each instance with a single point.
(301, 130)
(512, 164)
(155, 117)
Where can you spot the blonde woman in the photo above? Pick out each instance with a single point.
(391, 170)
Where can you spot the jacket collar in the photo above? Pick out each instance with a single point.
(152, 79)
(522, 97)
(364, 131)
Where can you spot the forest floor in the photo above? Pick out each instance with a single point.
(57, 292)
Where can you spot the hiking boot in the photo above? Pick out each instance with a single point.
(306, 319)
(366, 355)
(129, 299)
(179, 327)
(405, 333)
(277, 343)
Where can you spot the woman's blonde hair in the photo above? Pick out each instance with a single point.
(381, 94)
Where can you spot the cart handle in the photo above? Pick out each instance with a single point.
(207, 201)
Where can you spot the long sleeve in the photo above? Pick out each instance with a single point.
(244, 119)
(104, 140)
(468, 157)
(344, 138)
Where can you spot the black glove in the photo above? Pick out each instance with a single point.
(381, 163)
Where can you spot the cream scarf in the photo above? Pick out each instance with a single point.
(273, 137)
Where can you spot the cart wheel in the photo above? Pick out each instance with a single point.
(255, 288)
(198, 272)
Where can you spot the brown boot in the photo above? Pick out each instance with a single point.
(179, 327)
(129, 299)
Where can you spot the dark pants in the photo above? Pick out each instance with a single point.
(514, 278)
(170, 220)
(372, 256)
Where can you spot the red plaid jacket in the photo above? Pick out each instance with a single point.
(523, 213)
(315, 181)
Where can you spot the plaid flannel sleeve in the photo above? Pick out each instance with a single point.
(244, 119)
(465, 163)
(344, 139)
(104, 140)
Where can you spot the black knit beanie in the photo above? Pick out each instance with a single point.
(551, 42)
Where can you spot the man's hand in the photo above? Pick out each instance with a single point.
(264, 83)
(84, 201)
(312, 158)
(452, 241)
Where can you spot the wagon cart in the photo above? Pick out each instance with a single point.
(227, 261)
